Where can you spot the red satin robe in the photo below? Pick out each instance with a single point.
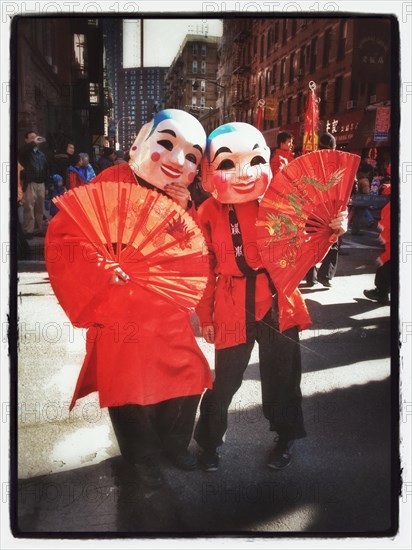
(145, 354)
(223, 302)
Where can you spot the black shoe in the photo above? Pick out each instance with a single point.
(311, 283)
(281, 455)
(209, 460)
(376, 296)
(149, 474)
(184, 461)
(325, 282)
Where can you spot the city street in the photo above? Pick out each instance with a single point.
(71, 478)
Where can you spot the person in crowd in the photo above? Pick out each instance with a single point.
(359, 210)
(62, 161)
(35, 179)
(241, 304)
(382, 288)
(107, 159)
(119, 157)
(56, 189)
(86, 168)
(75, 175)
(284, 152)
(151, 383)
(329, 265)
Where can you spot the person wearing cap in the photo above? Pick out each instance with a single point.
(36, 174)
(107, 159)
(86, 169)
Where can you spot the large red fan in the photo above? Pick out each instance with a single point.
(148, 235)
(293, 223)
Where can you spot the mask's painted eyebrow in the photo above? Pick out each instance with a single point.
(198, 147)
(171, 132)
(221, 150)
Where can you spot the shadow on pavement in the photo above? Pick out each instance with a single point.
(338, 482)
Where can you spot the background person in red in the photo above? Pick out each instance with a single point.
(145, 364)
(284, 153)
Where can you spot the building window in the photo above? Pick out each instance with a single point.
(313, 53)
(94, 93)
(338, 94)
(203, 86)
(204, 50)
(292, 68)
(294, 27)
(299, 104)
(343, 29)
(289, 111)
(327, 44)
(80, 58)
(260, 87)
(323, 98)
(194, 101)
(282, 72)
(267, 83)
(285, 32)
(194, 67)
(262, 47)
(280, 108)
(194, 48)
(202, 101)
(254, 46)
(276, 33)
(274, 75)
(269, 41)
(203, 67)
(302, 61)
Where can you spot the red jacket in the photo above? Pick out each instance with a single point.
(280, 159)
(223, 302)
(148, 352)
(385, 236)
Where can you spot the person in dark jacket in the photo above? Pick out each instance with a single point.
(36, 176)
(107, 159)
(56, 189)
(62, 161)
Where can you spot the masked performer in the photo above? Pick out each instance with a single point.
(146, 364)
(240, 304)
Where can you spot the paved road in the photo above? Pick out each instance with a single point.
(72, 479)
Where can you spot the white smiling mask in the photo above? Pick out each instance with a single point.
(168, 149)
(236, 165)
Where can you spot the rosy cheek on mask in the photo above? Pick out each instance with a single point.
(155, 156)
(191, 176)
(221, 183)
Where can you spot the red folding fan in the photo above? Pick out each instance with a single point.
(293, 223)
(148, 235)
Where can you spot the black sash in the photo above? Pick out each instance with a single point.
(250, 275)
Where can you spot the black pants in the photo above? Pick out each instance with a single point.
(383, 278)
(280, 373)
(143, 432)
(328, 267)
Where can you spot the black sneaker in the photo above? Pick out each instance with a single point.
(184, 461)
(209, 460)
(325, 282)
(376, 296)
(281, 455)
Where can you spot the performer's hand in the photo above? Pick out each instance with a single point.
(119, 277)
(339, 225)
(208, 333)
(179, 193)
